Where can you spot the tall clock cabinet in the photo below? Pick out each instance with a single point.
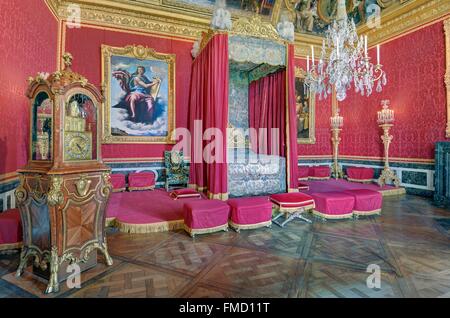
(65, 186)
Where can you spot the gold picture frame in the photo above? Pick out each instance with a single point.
(304, 118)
(163, 83)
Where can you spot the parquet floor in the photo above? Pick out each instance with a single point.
(410, 242)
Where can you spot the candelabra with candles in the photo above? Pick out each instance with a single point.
(386, 121)
(336, 121)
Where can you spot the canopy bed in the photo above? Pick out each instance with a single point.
(243, 78)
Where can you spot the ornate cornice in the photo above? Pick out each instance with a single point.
(255, 27)
(155, 16)
(406, 18)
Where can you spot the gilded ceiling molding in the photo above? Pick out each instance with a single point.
(447, 73)
(152, 16)
(122, 17)
(408, 17)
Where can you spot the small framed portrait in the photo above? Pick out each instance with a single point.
(305, 106)
(139, 87)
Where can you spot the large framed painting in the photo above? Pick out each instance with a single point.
(305, 105)
(139, 87)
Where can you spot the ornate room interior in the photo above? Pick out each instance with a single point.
(225, 148)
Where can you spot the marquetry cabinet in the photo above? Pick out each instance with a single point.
(65, 186)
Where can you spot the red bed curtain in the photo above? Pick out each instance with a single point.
(268, 109)
(208, 107)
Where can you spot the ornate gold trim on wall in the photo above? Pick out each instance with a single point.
(138, 52)
(447, 73)
(300, 73)
(150, 17)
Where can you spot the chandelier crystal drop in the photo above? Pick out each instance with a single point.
(344, 61)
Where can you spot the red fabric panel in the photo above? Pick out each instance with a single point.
(292, 156)
(206, 214)
(10, 227)
(267, 110)
(85, 46)
(209, 104)
(334, 203)
(366, 200)
(250, 210)
(28, 44)
(415, 67)
(360, 173)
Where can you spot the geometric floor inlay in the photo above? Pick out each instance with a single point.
(409, 241)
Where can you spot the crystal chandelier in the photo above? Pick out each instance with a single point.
(343, 60)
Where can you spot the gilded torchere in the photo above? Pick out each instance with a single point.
(337, 121)
(385, 121)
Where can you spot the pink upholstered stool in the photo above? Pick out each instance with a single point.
(303, 173)
(291, 205)
(206, 216)
(250, 213)
(141, 181)
(333, 205)
(10, 230)
(320, 173)
(367, 202)
(360, 174)
(118, 182)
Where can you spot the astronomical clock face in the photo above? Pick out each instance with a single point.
(77, 146)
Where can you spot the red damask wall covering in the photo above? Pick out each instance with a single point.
(85, 46)
(415, 66)
(28, 44)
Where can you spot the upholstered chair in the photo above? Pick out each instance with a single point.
(177, 171)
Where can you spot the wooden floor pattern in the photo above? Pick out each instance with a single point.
(410, 242)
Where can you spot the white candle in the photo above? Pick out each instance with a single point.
(378, 54)
(365, 44)
(312, 51)
(307, 62)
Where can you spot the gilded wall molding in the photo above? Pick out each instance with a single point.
(447, 73)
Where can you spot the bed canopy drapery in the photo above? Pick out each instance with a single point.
(243, 79)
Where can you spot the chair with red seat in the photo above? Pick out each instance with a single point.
(292, 206)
